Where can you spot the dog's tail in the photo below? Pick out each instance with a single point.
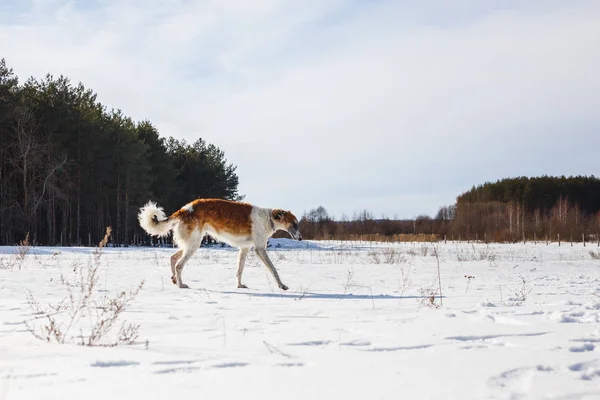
(154, 221)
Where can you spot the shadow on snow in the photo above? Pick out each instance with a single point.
(326, 296)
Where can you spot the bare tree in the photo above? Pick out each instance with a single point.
(33, 160)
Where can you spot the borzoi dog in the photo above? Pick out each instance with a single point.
(240, 225)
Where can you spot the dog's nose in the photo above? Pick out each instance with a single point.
(299, 237)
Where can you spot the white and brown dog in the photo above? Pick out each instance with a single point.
(240, 225)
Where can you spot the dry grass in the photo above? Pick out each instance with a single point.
(436, 252)
(422, 251)
(477, 254)
(468, 278)
(387, 255)
(595, 254)
(428, 297)
(521, 293)
(403, 237)
(96, 317)
(16, 260)
(23, 249)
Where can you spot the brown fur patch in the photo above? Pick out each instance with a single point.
(283, 216)
(223, 215)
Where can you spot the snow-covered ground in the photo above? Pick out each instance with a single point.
(357, 323)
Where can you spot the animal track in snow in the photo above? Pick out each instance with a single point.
(230, 365)
(177, 369)
(488, 345)
(26, 376)
(530, 313)
(117, 363)
(174, 362)
(311, 343)
(400, 348)
(592, 316)
(356, 343)
(469, 338)
(582, 348)
(589, 340)
(518, 379)
(590, 369)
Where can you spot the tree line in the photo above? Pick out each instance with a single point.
(70, 167)
(530, 208)
(508, 210)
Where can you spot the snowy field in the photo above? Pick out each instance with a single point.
(358, 322)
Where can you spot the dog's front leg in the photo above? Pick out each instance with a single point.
(241, 260)
(262, 254)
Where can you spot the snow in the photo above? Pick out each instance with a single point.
(358, 322)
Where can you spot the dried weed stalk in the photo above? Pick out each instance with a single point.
(521, 293)
(17, 259)
(95, 317)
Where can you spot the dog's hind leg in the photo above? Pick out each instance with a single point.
(262, 254)
(174, 258)
(188, 241)
(241, 260)
(186, 255)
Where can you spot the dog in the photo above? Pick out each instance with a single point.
(240, 225)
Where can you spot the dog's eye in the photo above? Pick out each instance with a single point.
(295, 225)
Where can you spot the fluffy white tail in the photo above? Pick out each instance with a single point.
(154, 221)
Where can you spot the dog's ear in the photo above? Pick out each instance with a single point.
(278, 214)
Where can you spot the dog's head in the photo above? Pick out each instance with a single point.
(286, 221)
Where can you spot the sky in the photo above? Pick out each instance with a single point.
(396, 107)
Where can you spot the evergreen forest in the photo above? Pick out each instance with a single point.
(70, 167)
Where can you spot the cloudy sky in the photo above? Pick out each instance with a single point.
(391, 106)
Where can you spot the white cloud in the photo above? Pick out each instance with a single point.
(352, 105)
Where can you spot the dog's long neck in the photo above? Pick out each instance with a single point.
(271, 223)
(262, 223)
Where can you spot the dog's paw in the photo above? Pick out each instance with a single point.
(183, 286)
(174, 280)
(283, 287)
(240, 286)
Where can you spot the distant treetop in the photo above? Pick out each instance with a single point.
(540, 193)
